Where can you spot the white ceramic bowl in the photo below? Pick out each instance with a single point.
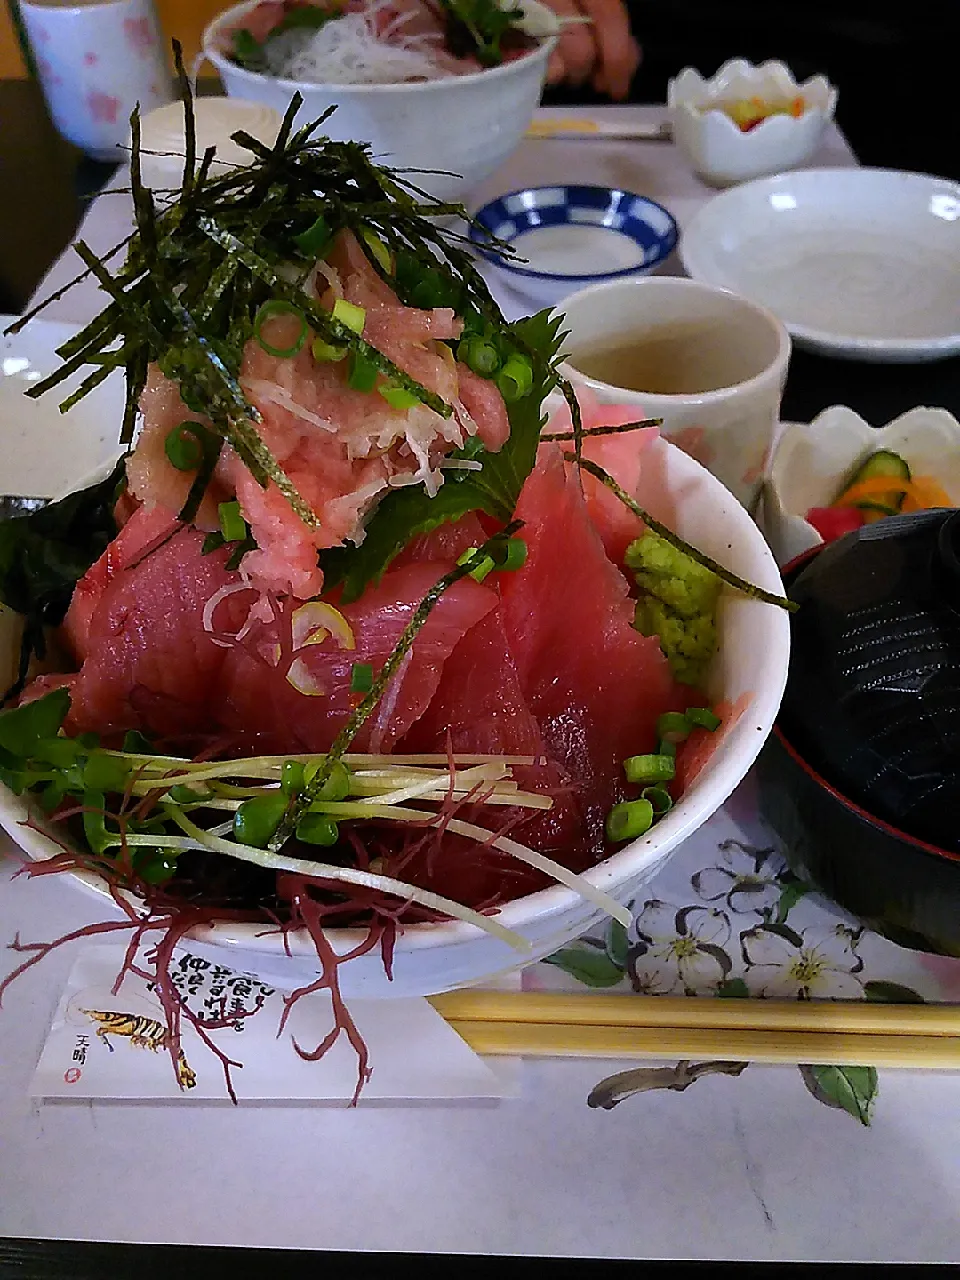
(570, 235)
(465, 126)
(812, 463)
(730, 357)
(749, 672)
(863, 264)
(722, 153)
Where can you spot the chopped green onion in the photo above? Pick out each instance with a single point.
(349, 314)
(703, 718)
(483, 568)
(232, 524)
(660, 798)
(629, 820)
(672, 726)
(135, 744)
(513, 555)
(363, 373)
(317, 828)
(361, 677)
(337, 785)
(291, 777)
(649, 768)
(515, 379)
(184, 446)
(256, 820)
(315, 241)
(667, 749)
(379, 250)
(324, 352)
(280, 307)
(481, 356)
(155, 866)
(399, 397)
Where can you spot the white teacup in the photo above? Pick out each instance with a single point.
(711, 364)
(96, 60)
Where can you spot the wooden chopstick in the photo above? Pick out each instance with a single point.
(598, 130)
(547, 1040)
(828, 1032)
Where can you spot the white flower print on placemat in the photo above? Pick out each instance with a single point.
(781, 964)
(753, 930)
(678, 950)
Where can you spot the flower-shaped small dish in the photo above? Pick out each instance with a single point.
(747, 120)
(812, 465)
(567, 237)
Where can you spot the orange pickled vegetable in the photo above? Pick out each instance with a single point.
(919, 494)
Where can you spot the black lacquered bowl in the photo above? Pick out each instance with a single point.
(902, 887)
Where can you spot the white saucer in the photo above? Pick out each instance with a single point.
(859, 263)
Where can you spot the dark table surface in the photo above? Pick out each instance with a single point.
(45, 185)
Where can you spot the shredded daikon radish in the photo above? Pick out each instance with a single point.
(349, 50)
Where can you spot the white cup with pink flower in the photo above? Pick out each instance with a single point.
(96, 60)
(709, 363)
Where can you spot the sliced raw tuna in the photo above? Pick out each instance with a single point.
(479, 708)
(255, 698)
(626, 457)
(595, 685)
(137, 626)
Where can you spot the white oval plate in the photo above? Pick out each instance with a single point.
(858, 263)
(44, 450)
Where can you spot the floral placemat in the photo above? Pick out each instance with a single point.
(726, 918)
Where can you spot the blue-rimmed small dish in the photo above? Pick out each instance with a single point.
(567, 237)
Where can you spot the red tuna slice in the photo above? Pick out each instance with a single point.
(142, 529)
(479, 709)
(595, 685)
(151, 476)
(446, 542)
(257, 701)
(626, 457)
(482, 400)
(148, 662)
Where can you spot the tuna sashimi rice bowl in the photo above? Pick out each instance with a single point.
(446, 87)
(355, 663)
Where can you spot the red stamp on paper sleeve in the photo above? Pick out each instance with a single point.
(72, 1075)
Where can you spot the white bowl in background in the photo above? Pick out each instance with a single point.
(163, 145)
(812, 463)
(863, 264)
(717, 148)
(462, 127)
(749, 673)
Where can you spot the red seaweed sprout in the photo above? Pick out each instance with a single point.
(391, 848)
